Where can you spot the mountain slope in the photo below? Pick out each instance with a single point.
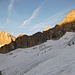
(49, 58)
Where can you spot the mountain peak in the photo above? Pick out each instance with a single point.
(73, 11)
(70, 17)
(2, 31)
(20, 35)
(47, 28)
(5, 38)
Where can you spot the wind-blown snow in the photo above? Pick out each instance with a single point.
(50, 58)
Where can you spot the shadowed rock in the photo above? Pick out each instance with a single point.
(0, 73)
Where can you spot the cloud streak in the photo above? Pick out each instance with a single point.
(51, 20)
(34, 14)
(10, 8)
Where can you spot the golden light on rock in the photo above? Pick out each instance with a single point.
(70, 17)
(47, 28)
(20, 35)
(5, 38)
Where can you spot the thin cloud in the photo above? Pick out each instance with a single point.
(10, 8)
(32, 17)
(51, 20)
(34, 14)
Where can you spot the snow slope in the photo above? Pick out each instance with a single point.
(50, 58)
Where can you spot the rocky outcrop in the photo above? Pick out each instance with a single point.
(54, 33)
(24, 41)
(5, 38)
(20, 35)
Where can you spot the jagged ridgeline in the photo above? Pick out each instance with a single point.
(24, 41)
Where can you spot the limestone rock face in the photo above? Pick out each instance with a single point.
(5, 38)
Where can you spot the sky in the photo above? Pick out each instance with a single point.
(31, 16)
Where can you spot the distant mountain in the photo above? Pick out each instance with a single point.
(24, 41)
(5, 38)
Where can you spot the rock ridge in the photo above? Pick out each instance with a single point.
(24, 41)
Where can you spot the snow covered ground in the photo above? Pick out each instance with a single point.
(50, 58)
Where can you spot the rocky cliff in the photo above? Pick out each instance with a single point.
(5, 38)
(67, 25)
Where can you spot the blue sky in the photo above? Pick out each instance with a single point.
(31, 16)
